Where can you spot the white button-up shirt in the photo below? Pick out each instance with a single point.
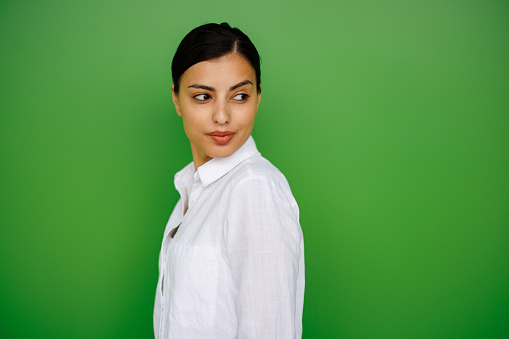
(234, 267)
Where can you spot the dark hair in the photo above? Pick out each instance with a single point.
(212, 41)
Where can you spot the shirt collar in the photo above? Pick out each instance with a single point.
(183, 178)
(215, 168)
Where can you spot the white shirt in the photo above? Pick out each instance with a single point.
(235, 267)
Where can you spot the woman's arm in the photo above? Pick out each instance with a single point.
(264, 244)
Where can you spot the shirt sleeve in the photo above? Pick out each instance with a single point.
(263, 239)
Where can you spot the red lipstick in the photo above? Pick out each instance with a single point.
(221, 138)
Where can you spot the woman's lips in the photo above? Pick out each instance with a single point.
(222, 138)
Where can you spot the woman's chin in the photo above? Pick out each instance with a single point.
(222, 152)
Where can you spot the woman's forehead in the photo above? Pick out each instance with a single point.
(228, 69)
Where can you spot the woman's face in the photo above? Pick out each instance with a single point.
(218, 102)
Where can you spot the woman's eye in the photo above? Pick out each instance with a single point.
(201, 97)
(241, 97)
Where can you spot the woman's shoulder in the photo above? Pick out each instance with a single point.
(256, 172)
(256, 167)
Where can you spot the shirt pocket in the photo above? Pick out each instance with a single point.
(194, 272)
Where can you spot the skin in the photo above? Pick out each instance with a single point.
(217, 95)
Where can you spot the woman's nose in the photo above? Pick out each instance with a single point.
(221, 114)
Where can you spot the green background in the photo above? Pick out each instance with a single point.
(389, 119)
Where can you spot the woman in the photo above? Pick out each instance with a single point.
(232, 259)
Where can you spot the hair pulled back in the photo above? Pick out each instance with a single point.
(212, 41)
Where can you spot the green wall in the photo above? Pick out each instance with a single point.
(389, 119)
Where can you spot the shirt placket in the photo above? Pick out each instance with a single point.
(165, 246)
(196, 190)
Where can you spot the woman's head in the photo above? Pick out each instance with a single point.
(216, 90)
(212, 41)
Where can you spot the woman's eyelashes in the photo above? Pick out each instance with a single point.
(240, 97)
(203, 97)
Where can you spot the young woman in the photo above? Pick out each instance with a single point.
(232, 258)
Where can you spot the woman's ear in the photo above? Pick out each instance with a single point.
(175, 98)
(259, 97)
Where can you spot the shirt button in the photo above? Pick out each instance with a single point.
(192, 202)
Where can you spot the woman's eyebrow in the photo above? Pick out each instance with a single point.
(242, 83)
(212, 89)
(202, 87)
